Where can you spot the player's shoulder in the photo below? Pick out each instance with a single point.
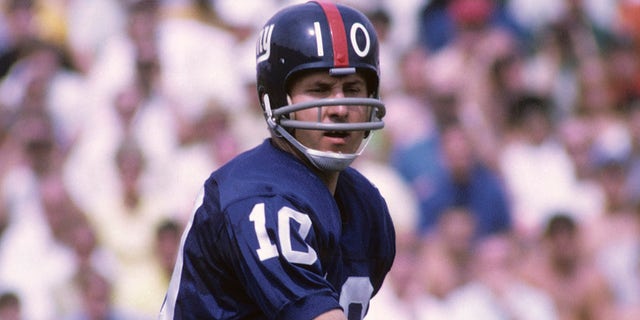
(262, 164)
(264, 160)
(264, 172)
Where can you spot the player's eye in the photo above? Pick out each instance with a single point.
(353, 90)
(318, 89)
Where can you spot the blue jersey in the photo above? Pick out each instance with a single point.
(269, 241)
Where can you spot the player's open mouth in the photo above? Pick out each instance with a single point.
(337, 134)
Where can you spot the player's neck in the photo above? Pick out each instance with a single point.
(330, 179)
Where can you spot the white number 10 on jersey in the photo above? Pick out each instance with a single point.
(268, 250)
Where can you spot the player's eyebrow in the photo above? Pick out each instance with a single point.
(355, 81)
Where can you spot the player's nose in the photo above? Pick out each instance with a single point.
(338, 113)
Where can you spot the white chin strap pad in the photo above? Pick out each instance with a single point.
(323, 160)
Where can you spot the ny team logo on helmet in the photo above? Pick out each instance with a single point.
(311, 36)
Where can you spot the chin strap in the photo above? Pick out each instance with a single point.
(323, 160)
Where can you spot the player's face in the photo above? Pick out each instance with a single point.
(321, 85)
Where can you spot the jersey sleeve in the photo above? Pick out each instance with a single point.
(273, 248)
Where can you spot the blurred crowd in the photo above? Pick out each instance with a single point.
(510, 159)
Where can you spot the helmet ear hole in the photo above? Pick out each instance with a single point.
(261, 92)
(266, 105)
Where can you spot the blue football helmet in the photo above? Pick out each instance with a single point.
(317, 35)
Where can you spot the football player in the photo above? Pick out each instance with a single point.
(288, 230)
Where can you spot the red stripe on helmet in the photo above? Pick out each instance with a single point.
(338, 33)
